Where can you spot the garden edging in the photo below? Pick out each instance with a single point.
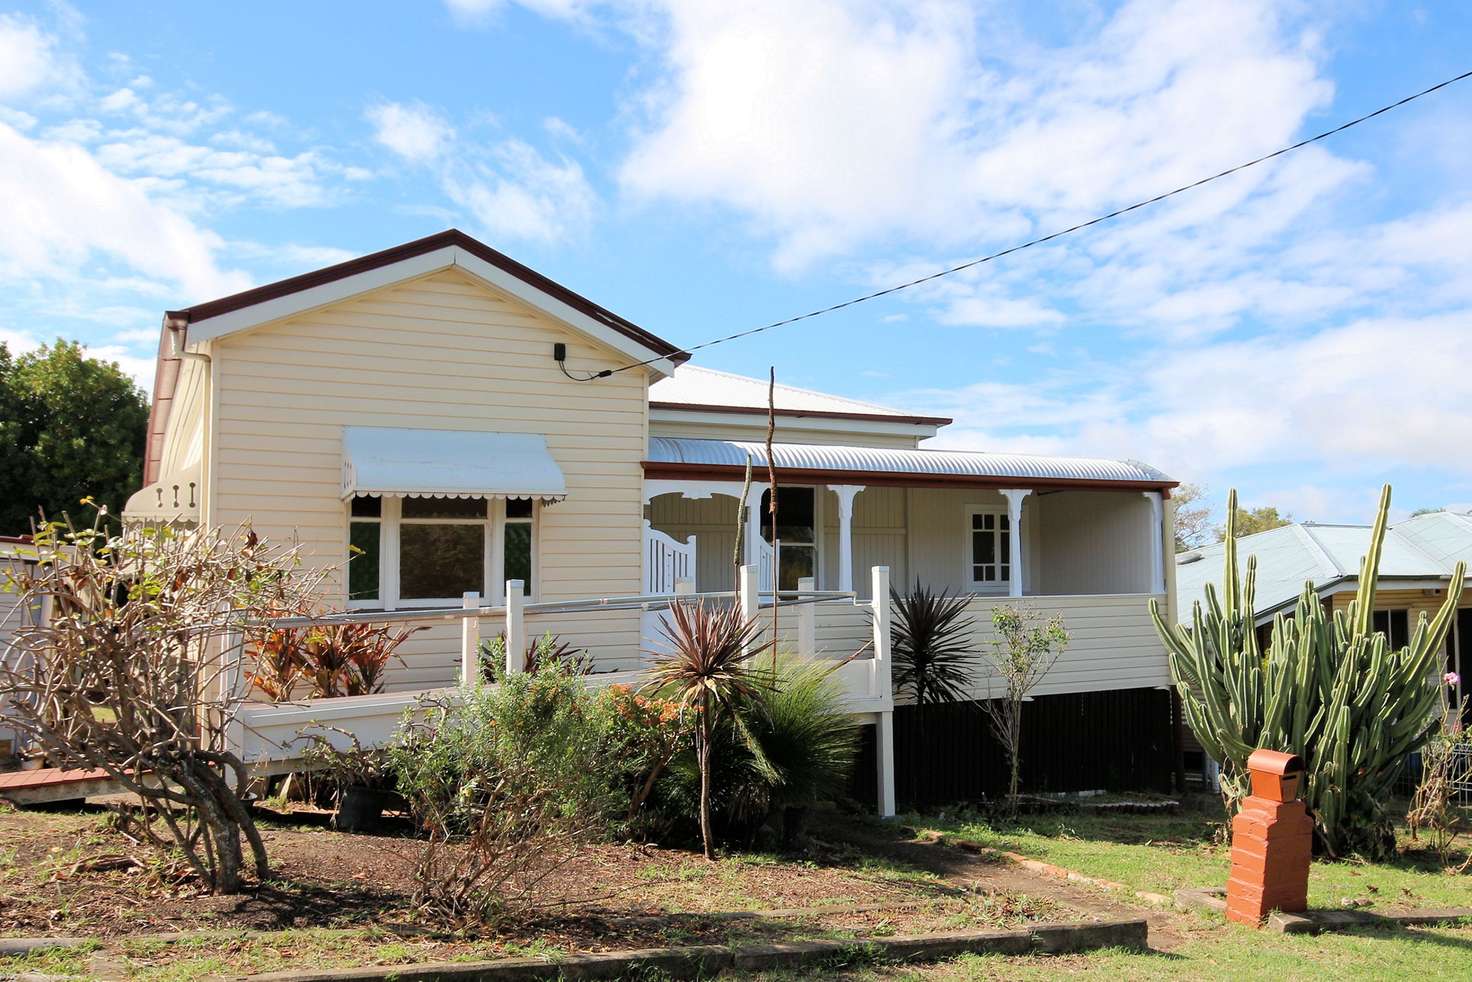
(697, 961)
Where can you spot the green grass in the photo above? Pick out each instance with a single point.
(50, 961)
(1162, 853)
(1242, 953)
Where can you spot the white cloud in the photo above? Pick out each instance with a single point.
(1373, 397)
(515, 191)
(28, 57)
(411, 130)
(140, 368)
(64, 209)
(510, 188)
(840, 123)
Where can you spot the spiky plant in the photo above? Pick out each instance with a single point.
(707, 672)
(1330, 689)
(803, 741)
(934, 659)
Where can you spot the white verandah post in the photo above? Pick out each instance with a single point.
(470, 640)
(1157, 541)
(807, 620)
(880, 687)
(1014, 498)
(846, 494)
(515, 627)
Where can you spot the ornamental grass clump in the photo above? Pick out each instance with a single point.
(1329, 688)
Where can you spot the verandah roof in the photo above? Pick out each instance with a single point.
(680, 456)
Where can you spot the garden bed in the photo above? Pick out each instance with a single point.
(337, 899)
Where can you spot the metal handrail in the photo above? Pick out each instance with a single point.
(648, 602)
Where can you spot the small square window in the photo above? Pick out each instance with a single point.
(367, 506)
(518, 508)
(469, 509)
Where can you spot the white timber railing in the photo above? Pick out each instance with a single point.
(272, 737)
(667, 561)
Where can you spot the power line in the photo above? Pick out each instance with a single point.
(1050, 236)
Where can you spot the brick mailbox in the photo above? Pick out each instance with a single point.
(1272, 841)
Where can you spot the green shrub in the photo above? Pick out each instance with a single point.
(544, 728)
(787, 747)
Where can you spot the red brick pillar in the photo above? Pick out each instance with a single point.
(1272, 842)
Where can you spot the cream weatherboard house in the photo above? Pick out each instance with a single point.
(466, 422)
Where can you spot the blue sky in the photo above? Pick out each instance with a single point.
(1301, 332)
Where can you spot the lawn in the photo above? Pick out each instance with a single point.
(1161, 853)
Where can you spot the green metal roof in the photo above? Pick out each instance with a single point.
(1424, 548)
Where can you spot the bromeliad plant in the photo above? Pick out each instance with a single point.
(1330, 689)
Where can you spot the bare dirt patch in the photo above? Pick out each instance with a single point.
(337, 898)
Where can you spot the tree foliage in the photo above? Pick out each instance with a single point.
(1192, 516)
(71, 427)
(1250, 521)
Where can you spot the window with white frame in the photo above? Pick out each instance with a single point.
(988, 548)
(428, 552)
(797, 530)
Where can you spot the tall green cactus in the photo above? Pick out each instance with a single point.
(1329, 689)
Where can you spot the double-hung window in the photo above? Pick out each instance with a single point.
(988, 549)
(797, 532)
(428, 552)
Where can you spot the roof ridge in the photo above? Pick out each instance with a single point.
(882, 409)
(1411, 543)
(1326, 562)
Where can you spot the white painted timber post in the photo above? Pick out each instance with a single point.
(807, 619)
(515, 627)
(232, 653)
(1014, 498)
(470, 640)
(880, 684)
(749, 597)
(1157, 541)
(846, 494)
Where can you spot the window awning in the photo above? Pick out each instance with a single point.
(392, 462)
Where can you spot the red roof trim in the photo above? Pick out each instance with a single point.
(696, 407)
(419, 247)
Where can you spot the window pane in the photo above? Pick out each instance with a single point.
(976, 520)
(983, 547)
(518, 559)
(363, 566)
(444, 508)
(518, 508)
(797, 562)
(367, 506)
(794, 515)
(1004, 545)
(441, 561)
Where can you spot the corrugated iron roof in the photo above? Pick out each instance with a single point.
(1426, 547)
(693, 385)
(943, 463)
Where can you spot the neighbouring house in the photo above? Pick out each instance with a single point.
(460, 421)
(1416, 565)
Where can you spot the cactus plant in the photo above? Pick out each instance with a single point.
(1328, 688)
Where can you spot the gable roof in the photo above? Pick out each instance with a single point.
(450, 239)
(692, 387)
(1425, 548)
(452, 247)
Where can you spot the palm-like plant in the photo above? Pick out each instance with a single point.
(707, 672)
(931, 638)
(804, 741)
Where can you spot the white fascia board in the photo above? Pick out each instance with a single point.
(757, 418)
(348, 287)
(311, 298)
(576, 319)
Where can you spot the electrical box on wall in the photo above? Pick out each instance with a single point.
(559, 352)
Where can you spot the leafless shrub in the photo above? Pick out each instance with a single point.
(136, 671)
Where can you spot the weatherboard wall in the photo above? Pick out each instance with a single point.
(441, 352)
